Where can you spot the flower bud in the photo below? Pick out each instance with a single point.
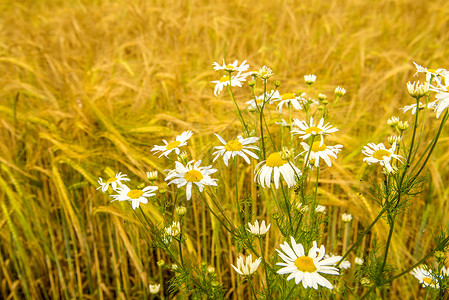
(393, 121)
(152, 176)
(346, 217)
(181, 210)
(277, 83)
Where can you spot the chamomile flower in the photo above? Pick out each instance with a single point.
(343, 265)
(430, 105)
(379, 154)
(346, 217)
(310, 79)
(248, 267)
(236, 80)
(258, 230)
(239, 146)
(425, 277)
(181, 140)
(265, 72)
(173, 230)
(359, 261)
(191, 174)
(115, 182)
(154, 288)
(433, 74)
(307, 130)
(135, 196)
(275, 165)
(339, 91)
(264, 99)
(442, 102)
(307, 268)
(417, 89)
(234, 67)
(324, 152)
(296, 101)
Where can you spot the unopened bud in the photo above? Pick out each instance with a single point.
(322, 97)
(394, 139)
(365, 282)
(325, 102)
(310, 79)
(181, 210)
(161, 263)
(252, 83)
(439, 254)
(277, 83)
(286, 154)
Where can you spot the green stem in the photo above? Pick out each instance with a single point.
(235, 105)
(443, 121)
(237, 190)
(265, 267)
(251, 286)
(210, 209)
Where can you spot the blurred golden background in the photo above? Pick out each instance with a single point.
(87, 85)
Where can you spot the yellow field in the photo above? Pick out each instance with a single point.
(88, 87)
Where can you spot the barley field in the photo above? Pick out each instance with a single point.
(88, 88)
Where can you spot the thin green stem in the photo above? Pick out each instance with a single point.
(237, 190)
(231, 94)
(248, 278)
(216, 216)
(265, 267)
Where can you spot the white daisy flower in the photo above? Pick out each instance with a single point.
(231, 67)
(425, 277)
(173, 230)
(344, 265)
(339, 91)
(191, 174)
(433, 74)
(305, 130)
(310, 79)
(275, 165)
(379, 154)
(417, 89)
(359, 261)
(442, 102)
(114, 182)
(307, 268)
(324, 152)
(265, 72)
(320, 209)
(346, 217)
(268, 98)
(248, 267)
(235, 80)
(154, 288)
(181, 140)
(135, 196)
(239, 147)
(258, 230)
(297, 101)
(430, 105)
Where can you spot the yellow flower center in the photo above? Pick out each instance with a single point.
(259, 101)
(428, 280)
(305, 264)
(288, 96)
(233, 145)
(172, 145)
(224, 79)
(193, 176)
(311, 130)
(316, 147)
(135, 194)
(379, 154)
(431, 70)
(275, 160)
(230, 67)
(111, 180)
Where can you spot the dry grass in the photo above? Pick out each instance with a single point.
(92, 84)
